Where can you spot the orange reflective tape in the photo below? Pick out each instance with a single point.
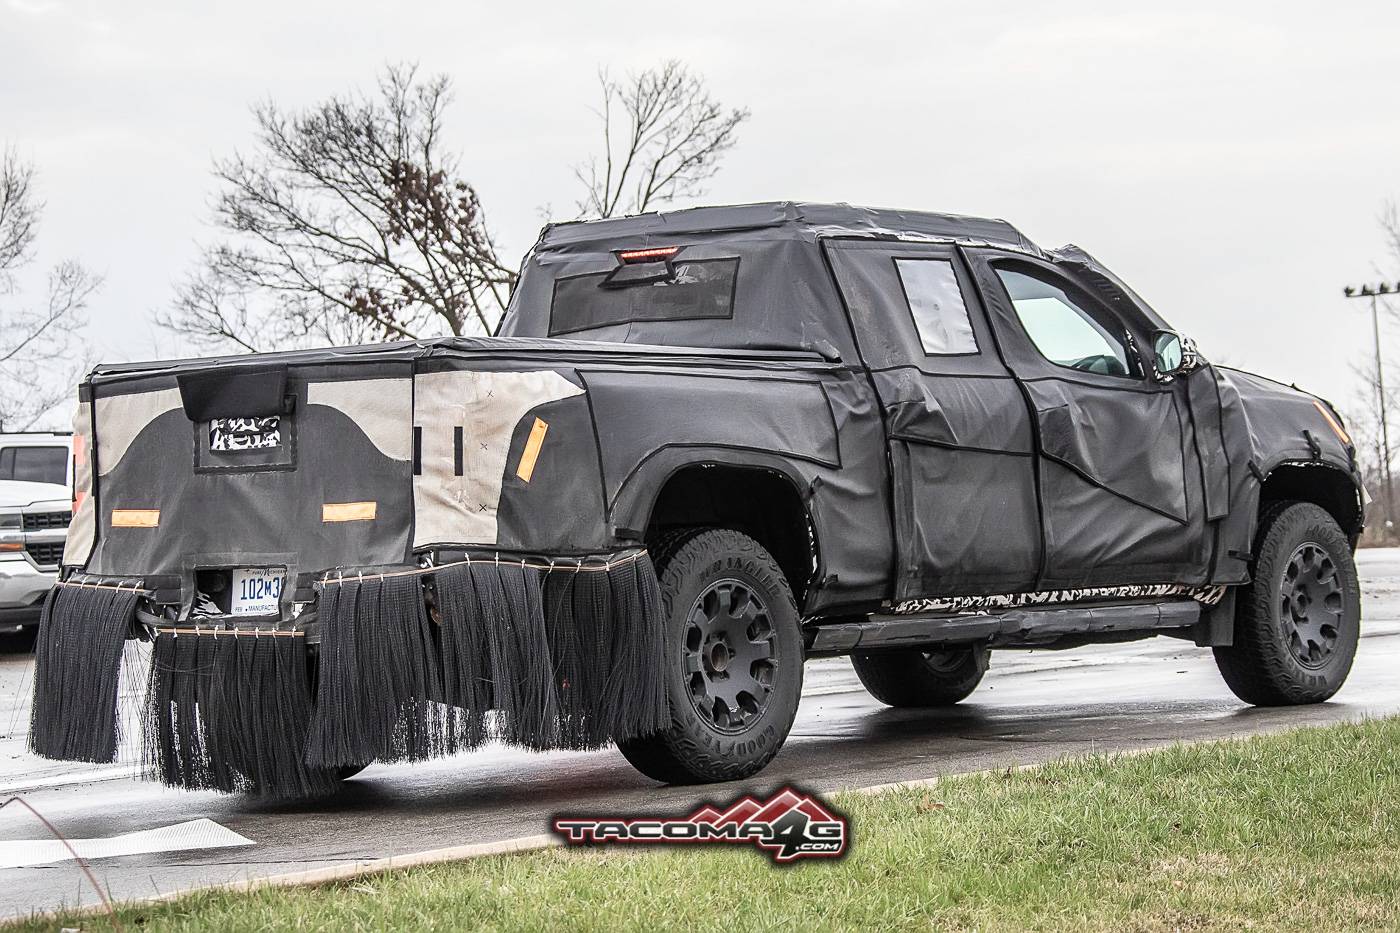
(349, 511)
(1337, 429)
(135, 518)
(531, 453)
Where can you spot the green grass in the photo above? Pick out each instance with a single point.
(1299, 830)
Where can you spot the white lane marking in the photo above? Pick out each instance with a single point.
(192, 834)
(87, 776)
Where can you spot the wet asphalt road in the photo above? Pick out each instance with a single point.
(1032, 706)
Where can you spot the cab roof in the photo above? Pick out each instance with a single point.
(791, 219)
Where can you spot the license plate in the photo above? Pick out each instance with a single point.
(229, 435)
(255, 592)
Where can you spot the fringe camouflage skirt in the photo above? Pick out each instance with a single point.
(412, 663)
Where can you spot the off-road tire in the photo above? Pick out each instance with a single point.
(1263, 666)
(913, 678)
(691, 564)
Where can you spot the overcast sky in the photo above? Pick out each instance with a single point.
(1229, 165)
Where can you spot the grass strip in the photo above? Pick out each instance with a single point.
(1297, 830)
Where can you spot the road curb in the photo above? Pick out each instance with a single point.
(318, 876)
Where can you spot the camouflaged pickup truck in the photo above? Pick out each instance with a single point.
(707, 446)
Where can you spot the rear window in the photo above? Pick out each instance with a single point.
(35, 464)
(696, 289)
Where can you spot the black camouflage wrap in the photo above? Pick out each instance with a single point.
(927, 482)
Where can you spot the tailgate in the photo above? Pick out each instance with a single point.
(300, 467)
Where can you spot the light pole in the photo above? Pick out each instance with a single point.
(1373, 292)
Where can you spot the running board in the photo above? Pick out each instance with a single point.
(1023, 627)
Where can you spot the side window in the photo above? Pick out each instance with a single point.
(936, 302)
(35, 464)
(1064, 333)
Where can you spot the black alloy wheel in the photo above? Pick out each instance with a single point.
(1311, 605)
(731, 653)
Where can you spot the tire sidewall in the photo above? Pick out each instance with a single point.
(704, 560)
(907, 678)
(1297, 526)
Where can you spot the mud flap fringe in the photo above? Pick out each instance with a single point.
(605, 638)
(378, 675)
(638, 674)
(229, 711)
(494, 652)
(77, 661)
(568, 655)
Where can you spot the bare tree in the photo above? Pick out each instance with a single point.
(40, 361)
(1390, 226)
(349, 222)
(1364, 426)
(1378, 418)
(663, 138)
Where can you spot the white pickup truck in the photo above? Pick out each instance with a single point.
(36, 505)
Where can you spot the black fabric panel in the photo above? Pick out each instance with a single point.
(1085, 427)
(265, 518)
(243, 392)
(966, 522)
(791, 417)
(1262, 422)
(1204, 397)
(980, 414)
(561, 508)
(1237, 529)
(1095, 538)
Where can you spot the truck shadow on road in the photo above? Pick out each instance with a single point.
(503, 792)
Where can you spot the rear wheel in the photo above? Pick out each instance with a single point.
(915, 678)
(734, 660)
(1298, 621)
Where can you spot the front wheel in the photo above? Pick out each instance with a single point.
(1298, 621)
(734, 660)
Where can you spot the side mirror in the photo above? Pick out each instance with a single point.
(1172, 354)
